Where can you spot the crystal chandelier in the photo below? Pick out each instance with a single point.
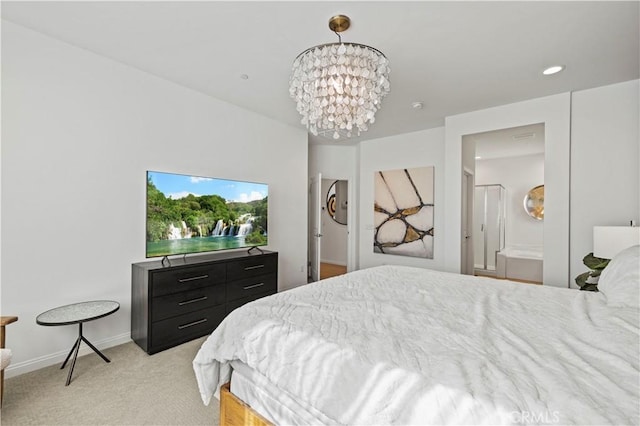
(338, 87)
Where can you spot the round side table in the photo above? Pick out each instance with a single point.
(78, 313)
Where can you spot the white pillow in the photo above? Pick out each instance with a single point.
(620, 280)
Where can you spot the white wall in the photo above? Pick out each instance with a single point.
(518, 175)
(418, 149)
(605, 160)
(603, 157)
(79, 131)
(605, 163)
(333, 161)
(334, 234)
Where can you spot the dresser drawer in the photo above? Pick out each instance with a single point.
(186, 327)
(252, 286)
(259, 265)
(184, 279)
(189, 298)
(239, 302)
(176, 304)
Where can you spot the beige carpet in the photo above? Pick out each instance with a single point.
(134, 389)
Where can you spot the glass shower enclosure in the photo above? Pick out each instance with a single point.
(488, 227)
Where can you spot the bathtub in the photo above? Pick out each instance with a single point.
(520, 263)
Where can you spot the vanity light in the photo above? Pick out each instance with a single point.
(553, 69)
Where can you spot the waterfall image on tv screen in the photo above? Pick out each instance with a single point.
(193, 214)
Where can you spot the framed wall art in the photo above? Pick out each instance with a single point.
(403, 212)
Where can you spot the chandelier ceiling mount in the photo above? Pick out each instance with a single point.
(339, 23)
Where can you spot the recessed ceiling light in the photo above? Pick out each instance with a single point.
(244, 76)
(417, 105)
(553, 69)
(478, 157)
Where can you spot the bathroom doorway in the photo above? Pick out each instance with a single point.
(508, 166)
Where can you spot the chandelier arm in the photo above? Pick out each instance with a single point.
(337, 44)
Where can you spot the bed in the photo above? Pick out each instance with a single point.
(521, 263)
(401, 345)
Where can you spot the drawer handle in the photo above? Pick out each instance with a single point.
(248, 268)
(253, 286)
(191, 324)
(186, 302)
(199, 277)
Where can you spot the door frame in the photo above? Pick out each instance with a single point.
(314, 230)
(351, 218)
(555, 112)
(467, 251)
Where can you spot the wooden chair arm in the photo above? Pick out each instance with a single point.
(7, 320)
(3, 321)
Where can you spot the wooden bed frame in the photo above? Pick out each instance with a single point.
(235, 412)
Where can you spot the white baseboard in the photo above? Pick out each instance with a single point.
(58, 357)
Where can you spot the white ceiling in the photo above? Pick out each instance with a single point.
(512, 142)
(455, 57)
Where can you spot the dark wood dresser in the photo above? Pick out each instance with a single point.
(173, 304)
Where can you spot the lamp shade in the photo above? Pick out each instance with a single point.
(611, 240)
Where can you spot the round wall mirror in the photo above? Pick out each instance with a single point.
(337, 202)
(534, 202)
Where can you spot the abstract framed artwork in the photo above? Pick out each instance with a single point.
(403, 212)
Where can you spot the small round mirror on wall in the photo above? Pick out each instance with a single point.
(337, 201)
(534, 202)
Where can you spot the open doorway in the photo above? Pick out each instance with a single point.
(334, 217)
(555, 112)
(508, 169)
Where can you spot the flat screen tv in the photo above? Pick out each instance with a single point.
(194, 214)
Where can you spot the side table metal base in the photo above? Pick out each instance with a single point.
(74, 351)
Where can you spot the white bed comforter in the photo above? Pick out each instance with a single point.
(399, 345)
